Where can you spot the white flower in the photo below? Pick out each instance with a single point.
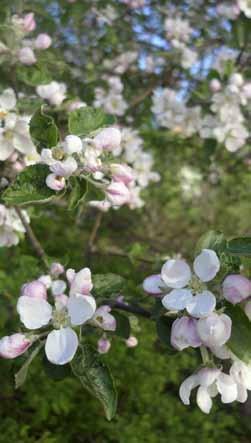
(104, 319)
(184, 333)
(236, 288)
(10, 226)
(215, 330)
(61, 343)
(54, 92)
(176, 274)
(26, 56)
(245, 7)
(211, 381)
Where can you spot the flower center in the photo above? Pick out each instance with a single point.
(60, 318)
(196, 285)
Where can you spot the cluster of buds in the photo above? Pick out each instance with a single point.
(51, 309)
(25, 48)
(93, 158)
(202, 323)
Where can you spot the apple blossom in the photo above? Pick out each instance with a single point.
(55, 182)
(43, 41)
(34, 289)
(54, 92)
(245, 7)
(177, 275)
(56, 269)
(131, 342)
(236, 288)
(104, 345)
(14, 345)
(117, 193)
(28, 22)
(107, 139)
(26, 56)
(184, 333)
(104, 319)
(122, 173)
(215, 330)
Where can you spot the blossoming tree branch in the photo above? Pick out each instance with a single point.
(57, 149)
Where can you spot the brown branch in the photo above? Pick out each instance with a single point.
(137, 310)
(32, 238)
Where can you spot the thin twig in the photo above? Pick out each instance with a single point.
(94, 232)
(138, 310)
(36, 245)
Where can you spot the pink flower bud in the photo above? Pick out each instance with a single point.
(236, 288)
(55, 182)
(215, 85)
(43, 41)
(56, 269)
(117, 193)
(103, 345)
(81, 282)
(29, 23)
(14, 345)
(131, 342)
(108, 139)
(184, 333)
(26, 56)
(35, 289)
(122, 173)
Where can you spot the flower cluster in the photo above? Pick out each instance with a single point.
(179, 33)
(11, 227)
(225, 122)
(54, 93)
(94, 158)
(202, 323)
(14, 133)
(25, 48)
(111, 100)
(52, 308)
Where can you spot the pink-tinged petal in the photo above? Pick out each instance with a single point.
(14, 345)
(206, 265)
(184, 333)
(34, 289)
(104, 319)
(204, 400)
(177, 299)
(34, 312)
(153, 284)
(131, 342)
(81, 282)
(236, 288)
(227, 388)
(214, 330)
(176, 273)
(104, 345)
(58, 287)
(56, 269)
(61, 346)
(207, 376)
(81, 308)
(186, 388)
(202, 304)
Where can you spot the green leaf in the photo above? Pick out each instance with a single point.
(34, 75)
(163, 327)
(43, 131)
(29, 187)
(240, 340)
(21, 375)
(123, 327)
(106, 285)
(85, 120)
(239, 246)
(95, 378)
(78, 192)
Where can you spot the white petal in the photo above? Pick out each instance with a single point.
(242, 394)
(8, 99)
(206, 265)
(176, 273)
(81, 308)
(153, 284)
(186, 388)
(227, 388)
(202, 304)
(204, 400)
(61, 346)
(6, 149)
(177, 299)
(34, 312)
